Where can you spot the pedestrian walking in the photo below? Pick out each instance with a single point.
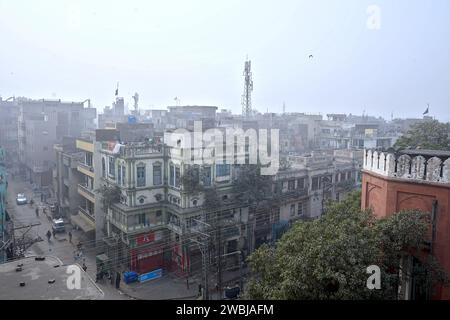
(37, 212)
(49, 235)
(117, 280)
(70, 237)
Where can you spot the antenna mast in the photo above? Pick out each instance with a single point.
(248, 88)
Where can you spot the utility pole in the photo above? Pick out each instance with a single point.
(219, 260)
(203, 245)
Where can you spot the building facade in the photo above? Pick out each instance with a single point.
(413, 179)
(9, 114)
(42, 124)
(66, 177)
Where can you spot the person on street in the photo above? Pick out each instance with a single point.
(70, 237)
(117, 280)
(37, 212)
(49, 235)
(84, 267)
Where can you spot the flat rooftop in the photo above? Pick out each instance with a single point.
(37, 274)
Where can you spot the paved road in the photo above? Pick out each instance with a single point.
(59, 246)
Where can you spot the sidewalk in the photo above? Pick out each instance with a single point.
(168, 287)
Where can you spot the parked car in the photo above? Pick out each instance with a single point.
(21, 199)
(58, 225)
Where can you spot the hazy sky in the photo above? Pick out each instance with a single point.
(195, 50)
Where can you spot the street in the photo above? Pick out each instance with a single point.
(59, 246)
(32, 228)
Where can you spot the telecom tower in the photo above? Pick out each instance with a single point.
(248, 88)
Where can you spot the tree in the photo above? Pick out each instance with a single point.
(327, 258)
(191, 180)
(250, 186)
(432, 135)
(110, 194)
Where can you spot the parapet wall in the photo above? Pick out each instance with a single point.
(426, 167)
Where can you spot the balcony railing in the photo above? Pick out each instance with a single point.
(86, 192)
(86, 169)
(86, 214)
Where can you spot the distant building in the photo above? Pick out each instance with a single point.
(9, 115)
(113, 114)
(413, 179)
(184, 116)
(43, 123)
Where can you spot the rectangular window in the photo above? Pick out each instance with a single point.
(103, 168)
(171, 175)
(301, 183)
(140, 176)
(88, 159)
(177, 177)
(112, 167)
(222, 170)
(124, 175)
(292, 211)
(157, 179)
(119, 175)
(141, 219)
(300, 210)
(206, 176)
(291, 185)
(315, 183)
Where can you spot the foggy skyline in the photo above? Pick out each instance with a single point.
(75, 50)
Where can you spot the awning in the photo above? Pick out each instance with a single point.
(82, 223)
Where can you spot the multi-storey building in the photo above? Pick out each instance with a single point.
(304, 188)
(158, 215)
(43, 123)
(113, 114)
(66, 177)
(85, 219)
(9, 114)
(418, 180)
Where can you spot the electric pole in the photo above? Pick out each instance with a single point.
(219, 260)
(203, 245)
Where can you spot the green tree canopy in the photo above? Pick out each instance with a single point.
(327, 258)
(432, 135)
(250, 185)
(110, 194)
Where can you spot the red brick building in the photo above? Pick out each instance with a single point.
(412, 179)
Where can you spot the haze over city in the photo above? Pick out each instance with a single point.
(315, 56)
